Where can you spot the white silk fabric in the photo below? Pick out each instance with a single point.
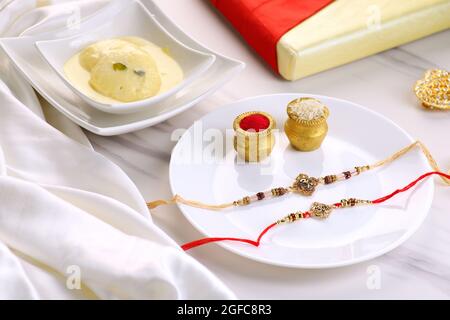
(72, 224)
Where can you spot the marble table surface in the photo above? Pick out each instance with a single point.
(420, 268)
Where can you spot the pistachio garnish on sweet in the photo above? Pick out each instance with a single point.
(140, 73)
(119, 66)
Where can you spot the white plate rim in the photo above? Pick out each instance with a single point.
(229, 246)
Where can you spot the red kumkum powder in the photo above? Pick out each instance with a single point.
(255, 122)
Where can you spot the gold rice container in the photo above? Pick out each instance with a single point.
(254, 141)
(306, 127)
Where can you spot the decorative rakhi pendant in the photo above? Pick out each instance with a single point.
(322, 211)
(305, 184)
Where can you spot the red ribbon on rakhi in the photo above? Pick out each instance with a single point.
(257, 242)
(263, 22)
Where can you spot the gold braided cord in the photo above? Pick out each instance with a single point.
(191, 203)
(392, 158)
(405, 150)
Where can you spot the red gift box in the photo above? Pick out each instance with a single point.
(298, 38)
(263, 22)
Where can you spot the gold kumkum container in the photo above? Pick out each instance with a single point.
(306, 127)
(254, 139)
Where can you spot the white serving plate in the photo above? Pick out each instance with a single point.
(26, 59)
(134, 20)
(357, 136)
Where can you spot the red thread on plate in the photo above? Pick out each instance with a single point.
(409, 186)
(201, 242)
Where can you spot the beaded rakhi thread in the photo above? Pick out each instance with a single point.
(317, 210)
(304, 184)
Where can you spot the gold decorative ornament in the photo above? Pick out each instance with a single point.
(305, 184)
(306, 126)
(320, 210)
(254, 141)
(434, 89)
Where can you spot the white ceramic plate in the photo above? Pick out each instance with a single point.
(357, 136)
(134, 20)
(26, 59)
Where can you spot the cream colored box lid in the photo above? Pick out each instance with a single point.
(348, 30)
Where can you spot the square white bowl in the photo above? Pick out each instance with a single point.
(25, 60)
(134, 20)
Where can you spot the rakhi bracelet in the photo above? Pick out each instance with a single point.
(317, 210)
(303, 184)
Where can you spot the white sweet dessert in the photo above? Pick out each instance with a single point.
(126, 75)
(123, 70)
